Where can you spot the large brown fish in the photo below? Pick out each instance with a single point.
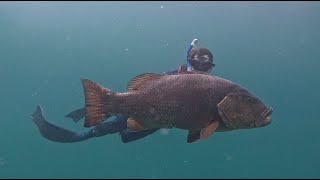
(195, 101)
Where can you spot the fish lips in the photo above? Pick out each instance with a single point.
(265, 118)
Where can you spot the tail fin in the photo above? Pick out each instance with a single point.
(97, 102)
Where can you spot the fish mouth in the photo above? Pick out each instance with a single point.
(265, 118)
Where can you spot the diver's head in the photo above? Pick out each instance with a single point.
(201, 59)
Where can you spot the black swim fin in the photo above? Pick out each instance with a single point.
(76, 115)
(53, 132)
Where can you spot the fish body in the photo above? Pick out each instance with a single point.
(198, 102)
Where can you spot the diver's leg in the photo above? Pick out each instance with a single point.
(117, 125)
(127, 136)
(53, 132)
(120, 125)
(59, 134)
(76, 115)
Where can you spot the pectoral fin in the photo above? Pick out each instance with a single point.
(195, 135)
(207, 131)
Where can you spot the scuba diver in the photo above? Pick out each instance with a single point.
(200, 59)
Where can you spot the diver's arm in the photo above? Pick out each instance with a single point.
(180, 69)
(171, 72)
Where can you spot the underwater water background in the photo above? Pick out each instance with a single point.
(271, 48)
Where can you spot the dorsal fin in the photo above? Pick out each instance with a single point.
(138, 81)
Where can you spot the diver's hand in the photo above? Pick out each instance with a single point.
(194, 42)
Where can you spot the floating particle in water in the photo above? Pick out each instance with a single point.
(164, 132)
(161, 7)
(68, 38)
(35, 94)
(2, 161)
(164, 43)
(227, 157)
(279, 52)
(126, 49)
(186, 163)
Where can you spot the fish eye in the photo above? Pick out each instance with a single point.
(252, 100)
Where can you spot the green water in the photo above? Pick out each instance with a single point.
(271, 48)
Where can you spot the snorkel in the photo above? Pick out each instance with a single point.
(189, 66)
